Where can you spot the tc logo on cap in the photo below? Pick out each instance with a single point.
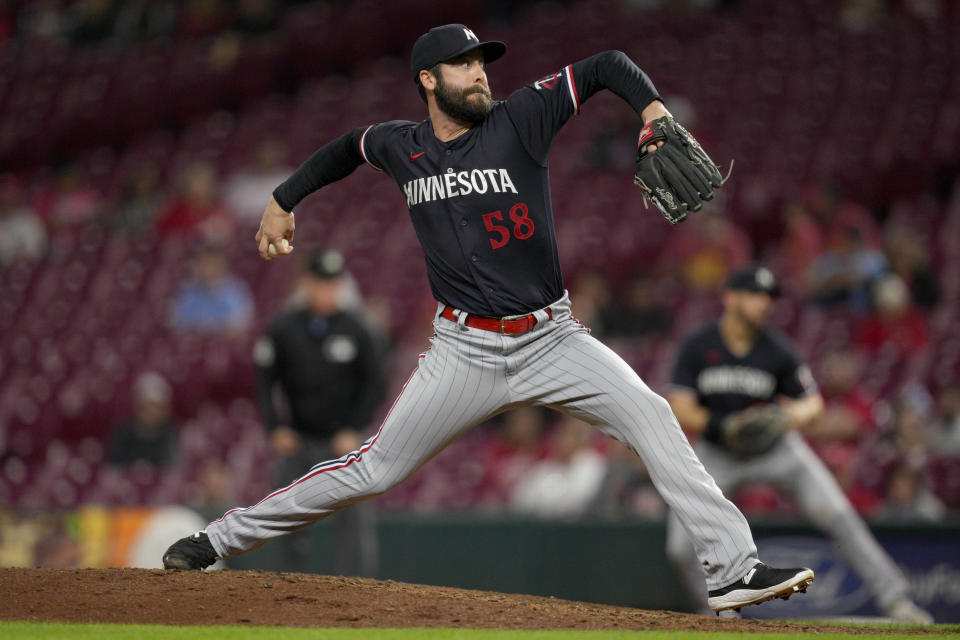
(470, 35)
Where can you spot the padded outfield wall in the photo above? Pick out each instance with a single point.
(624, 562)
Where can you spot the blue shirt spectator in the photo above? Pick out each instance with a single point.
(214, 299)
(845, 273)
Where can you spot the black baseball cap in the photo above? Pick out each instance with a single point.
(446, 42)
(324, 264)
(756, 279)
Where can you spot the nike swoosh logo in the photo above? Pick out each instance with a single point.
(415, 156)
(747, 578)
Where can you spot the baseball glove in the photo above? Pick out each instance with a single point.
(679, 176)
(755, 430)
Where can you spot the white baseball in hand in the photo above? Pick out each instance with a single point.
(272, 249)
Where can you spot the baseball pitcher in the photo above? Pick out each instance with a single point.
(474, 177)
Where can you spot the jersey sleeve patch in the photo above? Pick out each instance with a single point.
(550, 81)
(547, 82)
(363, 150)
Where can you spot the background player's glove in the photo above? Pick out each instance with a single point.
(755, 430)
(679, 176)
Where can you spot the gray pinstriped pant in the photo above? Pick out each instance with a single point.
(469, 375)
(793, 467)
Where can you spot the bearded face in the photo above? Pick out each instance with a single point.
(751, 308)
(470, 105)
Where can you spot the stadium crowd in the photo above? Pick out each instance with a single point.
(133, 296)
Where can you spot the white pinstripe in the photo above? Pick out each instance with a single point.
(470, 375)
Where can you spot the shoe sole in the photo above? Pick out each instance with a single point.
(176, 562)
(744, 597)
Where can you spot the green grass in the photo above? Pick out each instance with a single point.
(951, 630)
(56, 631)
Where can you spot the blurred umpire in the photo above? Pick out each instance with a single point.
(742, 387)
(321, 378)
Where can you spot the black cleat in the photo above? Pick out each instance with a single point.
(762, 583)
(192, 552)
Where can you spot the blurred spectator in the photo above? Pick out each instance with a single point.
(930, 11)
(140, 199)
(149, 434)
(903, 436)
(216, 490)
(909, 258)
(202, 17)
(946, 436)
(847, 424)
(214, 299)
(248, 190)
(861, 15)
(57, 546)
(911, 422)
(858, 474)
(565, 484)
(517, 446)
(22, 234)
(139, 19)
(256, 18)
(848, 413)
(71, 200)
(224, 52)
(908, 498)
(42, 20)
(706, 249)
(639, 311)
(197, 208)
(802, 242)
(896, 324)
(835, 215)
(91, 21)
(851, 215)
(627, 490)
(844, 273)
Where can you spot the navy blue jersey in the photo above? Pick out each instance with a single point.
(726, 383)
(480, 203)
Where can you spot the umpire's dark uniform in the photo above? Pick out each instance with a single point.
(320, 372)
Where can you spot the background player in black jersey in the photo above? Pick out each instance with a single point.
(728, 371)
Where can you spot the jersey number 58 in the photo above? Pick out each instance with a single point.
(522, 225)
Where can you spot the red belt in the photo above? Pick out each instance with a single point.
(497, 325)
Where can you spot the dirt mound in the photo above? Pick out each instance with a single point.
(293, 599)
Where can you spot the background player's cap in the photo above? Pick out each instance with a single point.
(756, 279)
(449, 41)
(324, 263)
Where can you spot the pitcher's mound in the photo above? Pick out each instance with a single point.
(293, 599)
